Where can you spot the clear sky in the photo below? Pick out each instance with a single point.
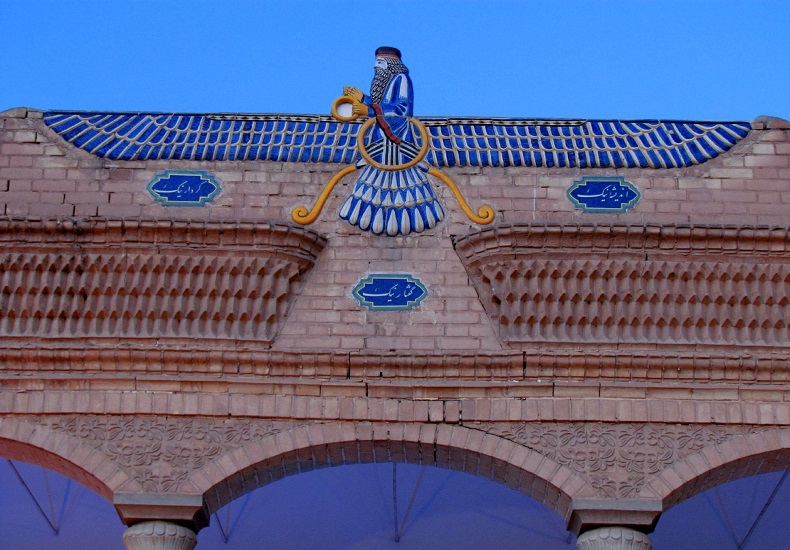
(671, 59)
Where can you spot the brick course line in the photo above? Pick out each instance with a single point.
(696, 410)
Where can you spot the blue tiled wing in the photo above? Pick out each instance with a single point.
(454, 142)
(582, 144)
(147, 136)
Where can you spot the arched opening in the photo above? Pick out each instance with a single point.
(41, 509)
(744, 514)
(727, 495)
(761, 452)
(385, 505)
(39, 445)
(315, 446)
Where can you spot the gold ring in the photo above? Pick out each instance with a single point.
(423, 149)
(342, 100)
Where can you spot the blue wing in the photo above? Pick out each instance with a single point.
(147, 136)
(454, 142)
(582, 144)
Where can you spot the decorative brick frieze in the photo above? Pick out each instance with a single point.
(160, 453)
(629, 284)
(149, 279)
(617, 460)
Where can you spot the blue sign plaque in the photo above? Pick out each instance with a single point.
(390, 291)
(603, 194)
(184, 188)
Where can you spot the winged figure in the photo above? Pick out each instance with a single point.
(393, 150)
(453, 141)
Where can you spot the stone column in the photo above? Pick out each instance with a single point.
(613, 538)
(159, 535)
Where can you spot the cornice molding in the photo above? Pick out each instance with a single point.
(506, 240)
(123, 280)
(633, 284)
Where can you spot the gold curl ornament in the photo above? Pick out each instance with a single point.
(302, 216)
(484, 215)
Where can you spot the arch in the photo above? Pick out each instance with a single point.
(743, 456)
(317, 445)
(37, 444)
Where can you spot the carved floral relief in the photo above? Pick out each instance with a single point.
(616, 459)
(160, 453)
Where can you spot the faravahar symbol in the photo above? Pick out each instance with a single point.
(392, 195)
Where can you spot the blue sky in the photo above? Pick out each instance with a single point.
(685, 59)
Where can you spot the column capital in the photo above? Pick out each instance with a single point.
(613, 538)
(588, 514)
(159, 535)
(181, 509)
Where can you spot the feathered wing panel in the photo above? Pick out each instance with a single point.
(579, 144)
(146, 136)
(454, 142)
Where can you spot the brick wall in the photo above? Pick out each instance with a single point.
(441, 384)
(42, 176)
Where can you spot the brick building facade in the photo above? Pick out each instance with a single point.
(609, 365)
